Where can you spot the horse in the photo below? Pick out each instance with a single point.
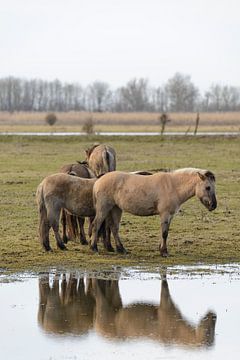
(101, 159)
(75, 224)
(159, 194)
(97, 305)
(63, 191)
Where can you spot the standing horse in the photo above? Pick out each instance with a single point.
(101, 159)
(75, 224)
(158, 194)
(62, 191)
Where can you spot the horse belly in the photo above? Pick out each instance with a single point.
(139, 207)
(80, 208)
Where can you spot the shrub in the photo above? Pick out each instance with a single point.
(51, 119)
(88, 125)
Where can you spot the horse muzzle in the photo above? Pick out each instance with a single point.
(210, 204)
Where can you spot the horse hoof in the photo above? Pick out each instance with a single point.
(94, 248)
(84, 242)
(48, 249)
(110, 249)
(164, 254)
(65, 239)
(62, 247)
(121, 250)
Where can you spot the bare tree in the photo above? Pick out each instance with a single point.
(196, 124)
(99, 94)
(182, 93)
(135, 95)
(164, 119)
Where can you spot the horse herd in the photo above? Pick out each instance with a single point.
(94, 189)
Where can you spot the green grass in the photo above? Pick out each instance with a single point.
(195, 236)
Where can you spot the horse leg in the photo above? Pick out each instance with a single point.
(44, 228)
(73, 233)
(106, 236)
(81, 221)
(114, 221)
(60, 243)
(54, 222)
(97, 223)
(107, 239)
(90, 226)
(101, 215)
(64, 226)
(165, 223)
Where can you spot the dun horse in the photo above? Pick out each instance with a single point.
(159, 194)
(63, 191)
(75, 224)
(101, 159)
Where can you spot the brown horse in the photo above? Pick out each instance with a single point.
(159, 194)
(70, 307)
(101, 159)
(62, 191)
(75, 224)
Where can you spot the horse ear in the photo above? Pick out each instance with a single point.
(202, 177)
(210, 175)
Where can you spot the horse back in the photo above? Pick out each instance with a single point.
(77, 169)
(101, 159)
(70, 192)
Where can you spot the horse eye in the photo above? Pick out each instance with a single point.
(208, 188)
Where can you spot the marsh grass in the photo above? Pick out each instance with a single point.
(74, 121)
(195, 234)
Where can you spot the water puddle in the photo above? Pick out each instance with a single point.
(121, 315)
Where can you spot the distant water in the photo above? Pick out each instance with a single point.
(120, 133)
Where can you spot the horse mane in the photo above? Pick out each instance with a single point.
(209, 174)
(84, 163)
(90, 150)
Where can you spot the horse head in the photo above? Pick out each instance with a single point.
(205, 190)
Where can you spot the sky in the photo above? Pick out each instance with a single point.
(117, 40)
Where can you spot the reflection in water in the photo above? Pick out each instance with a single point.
(70, 305)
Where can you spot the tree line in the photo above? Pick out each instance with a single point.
(179, 94)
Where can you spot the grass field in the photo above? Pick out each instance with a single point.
(195, 236)
(113, 122)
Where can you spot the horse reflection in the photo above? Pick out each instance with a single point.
(74, 307)
(65, 307)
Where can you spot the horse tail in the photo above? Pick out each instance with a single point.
(43, 219)
(72, 224)
(108, 161)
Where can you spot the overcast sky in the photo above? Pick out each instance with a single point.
(116, 40)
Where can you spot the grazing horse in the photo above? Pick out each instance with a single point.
(101, 159)
(158, 194)
(79, 169)
(62, 191)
